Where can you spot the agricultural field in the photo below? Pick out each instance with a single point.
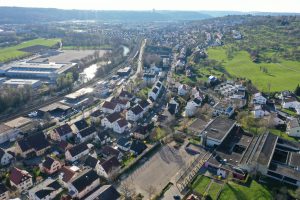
(283, 75)
(14, 52)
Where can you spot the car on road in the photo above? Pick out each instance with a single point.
(176, 197)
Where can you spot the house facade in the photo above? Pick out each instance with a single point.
(20, 179)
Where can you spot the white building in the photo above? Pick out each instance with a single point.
(77, 152)
(293, 128)
(46, 190)
(17, 83)
(258, 98)
(183, 89)
(135, 113)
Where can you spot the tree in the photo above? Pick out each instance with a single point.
(297, 90)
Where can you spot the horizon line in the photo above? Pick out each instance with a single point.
(154, 10)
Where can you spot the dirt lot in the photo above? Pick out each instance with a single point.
(160, 169)
(70, 55)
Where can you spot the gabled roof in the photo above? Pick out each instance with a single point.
(85, 180)
(125, 94)
(124, 142)
(122, 122)
(48, 190)
(17, 175)
(109, 105)
(119, 101)
(68, 174)
(75, 150)
(36, 142)
(137, 146)
(97, 113)
(155, 90)
(137, 109)
(63, 129)
(107, 192)
(113, 117)
(144, 104)
(197, 101)
(88, 131)
(110, 164)
(91, 161)
(109, 151)
(81, 124)
(48, 162)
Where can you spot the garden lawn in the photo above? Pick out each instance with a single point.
(13, 52)
(200, 184)
(214, 190)
(280, 76)
(255, 191)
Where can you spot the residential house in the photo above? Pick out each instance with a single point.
(192, 106)
(149, 78)
(109, 120)
(63, 146)
(223, 108)
(120, 126)
(93, 163)
(87, 134)
(8, 133)
(4, 194)
(103, 137)
(291, 102)
(76, 152)
(145, 105)
(142, 131)
(105, 192)
(154, 93)
(109, 166)
(46, 190)
(79, 126)
(83, 184)
(183, 89)
(62, 132)
(260, 111)
(20, 179)
(123, 103)
(108, 151)
(135, 113)
(110, 107)
(50, 165)
(258, 98)
(137, 147)
(5, 157)
(125, 95)
(293, 128)
(96, 116)
(66, 175)
(36, 144)
(124, 144)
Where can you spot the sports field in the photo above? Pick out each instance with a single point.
(14, 52)
(284, 75)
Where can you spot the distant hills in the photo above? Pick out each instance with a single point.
(20, 15)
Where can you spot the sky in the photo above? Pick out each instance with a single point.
(194, 5)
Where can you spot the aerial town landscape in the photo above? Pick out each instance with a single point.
(149, 105)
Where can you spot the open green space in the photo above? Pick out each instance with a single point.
(214, 190)
(14, 52)
(280, 76)
(105, 46)
(283, 135)
(254, 191)
(200, 184)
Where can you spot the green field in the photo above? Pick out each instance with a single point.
(214, 190)
(281, 76)
(200, 184)
(254, 191)
(10, 53)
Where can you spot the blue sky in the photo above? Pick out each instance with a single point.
(225, 5)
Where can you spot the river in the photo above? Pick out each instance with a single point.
(90, 72)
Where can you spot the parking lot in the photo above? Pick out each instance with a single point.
(162, 168)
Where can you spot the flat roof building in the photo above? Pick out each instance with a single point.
(17, 83)
(36, 70)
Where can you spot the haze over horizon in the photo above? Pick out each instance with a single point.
(290, 6)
